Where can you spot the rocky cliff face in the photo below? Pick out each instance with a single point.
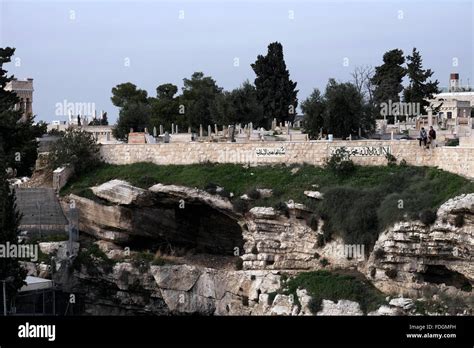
(407, 257)
(410, 255)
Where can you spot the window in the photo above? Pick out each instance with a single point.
(450, 114)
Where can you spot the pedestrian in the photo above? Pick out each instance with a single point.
(423, 136)
(432, 137)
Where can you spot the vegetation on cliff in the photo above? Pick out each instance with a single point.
(333, 286)
(356, 206)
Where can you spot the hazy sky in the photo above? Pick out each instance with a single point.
(78, 50)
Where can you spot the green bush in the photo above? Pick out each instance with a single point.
(351, 213)
(211, 188)
(77, 148)
(254, 194)
(428, 217)
(313, 222)
(340, 163)
(391, 159)
(241, 206)
(452, 142)
(93, 259)
(324, 262)
(282, 208)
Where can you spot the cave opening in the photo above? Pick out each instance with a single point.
(439, 274)
(197, 227)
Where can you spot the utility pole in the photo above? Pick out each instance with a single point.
(4, 298)
(4, 283)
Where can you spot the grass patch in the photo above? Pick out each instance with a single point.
(357, 206)
(332, 286)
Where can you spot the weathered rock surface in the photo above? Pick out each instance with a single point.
(314, 194)
(410, 255)
(407, 256)
(119, 192)
(342, 307)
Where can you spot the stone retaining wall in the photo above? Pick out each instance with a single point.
(459, 160)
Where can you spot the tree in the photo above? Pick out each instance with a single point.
(77, 148)
(19, 136)
(388, 78)
(344, 107)
(362, 79)
(199, 94)
(275, 91)
(134, 116)
(127, 93)
(238, 106)
(313, 109)
(134, 109)
(10, 268)
(165, 107)
(9, 222)
(419, 89)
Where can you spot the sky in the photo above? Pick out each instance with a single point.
(76, 51)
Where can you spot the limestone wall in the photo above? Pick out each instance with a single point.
(365, 152)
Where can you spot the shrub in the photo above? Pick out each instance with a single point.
(452, 142)
(282, 208)
(159, 261)
(224, 193)
(93, 258)
(459, 220)
(324, 262)
(313, 222)
(77, 148)
(403, 163)
(241, 206)
(352, 213)
(340, 163)
(391, 159)
(254, 194)
(428, 217)
(210, 188)
(379, 253)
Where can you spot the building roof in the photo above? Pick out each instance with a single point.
(35, 283)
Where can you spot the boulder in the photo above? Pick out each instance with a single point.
(118, 192)
(342, 307)
(314, 194)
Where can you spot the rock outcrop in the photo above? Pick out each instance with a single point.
(406, 257)
(410, 255)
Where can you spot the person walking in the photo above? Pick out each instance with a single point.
(432, 137)
(423, 137)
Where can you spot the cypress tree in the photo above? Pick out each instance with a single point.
(275, 91)
(419, 89)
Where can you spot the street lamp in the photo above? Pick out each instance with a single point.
(5, 281)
